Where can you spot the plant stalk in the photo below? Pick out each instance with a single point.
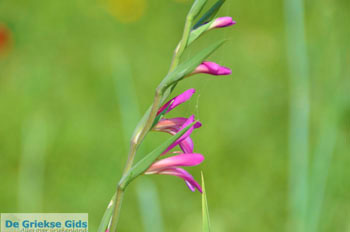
(135, 142)
(183, 43)
(116, 210)
(146, 126)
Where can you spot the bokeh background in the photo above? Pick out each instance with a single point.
(75, 77)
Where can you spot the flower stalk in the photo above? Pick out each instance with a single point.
(179, 128)
(135, 142)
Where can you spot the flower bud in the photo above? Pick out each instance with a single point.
(222, 22)
(212, 69)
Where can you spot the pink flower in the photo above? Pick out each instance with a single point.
(222, 22)
(185, 96)
(212, 69)
(171, 166)
(174, 125)
(185, 142)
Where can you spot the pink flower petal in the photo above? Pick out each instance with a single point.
(179, 172)
(174, 125)
(186, 145)
(212, 68)
(222, 22)
(184, 136)
(185, 96)
(177, 160)
(171, 125)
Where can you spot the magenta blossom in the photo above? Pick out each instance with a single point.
(170, 166)
(177, 101)
(212, 69)
(185, 141)
(222, 22)
(174, 125)
(186, 157)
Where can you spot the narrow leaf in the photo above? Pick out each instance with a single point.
(210, 14)
(188, 66)
(148, 160)
(196, 8)
(107, 215)
(198, 32)
(205, 211)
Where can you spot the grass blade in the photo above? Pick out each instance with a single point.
(205, 210)
(299, 114)
(150, 209)
(36, 133)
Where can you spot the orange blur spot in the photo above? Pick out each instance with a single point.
(5, 36)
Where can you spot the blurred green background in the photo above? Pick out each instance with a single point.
(76, 75)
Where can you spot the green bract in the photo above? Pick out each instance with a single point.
(188, 66)
(210, 14)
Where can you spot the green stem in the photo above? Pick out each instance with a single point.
(183, 43)
(135, 142)
(117, 206)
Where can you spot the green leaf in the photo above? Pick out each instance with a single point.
(149, 159)
(107, 215)
(196, 8)
(205, 211)
(188, 66)
(210, 14)
(198, 32)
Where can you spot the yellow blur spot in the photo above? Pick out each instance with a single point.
(127, 11)
(182, 1)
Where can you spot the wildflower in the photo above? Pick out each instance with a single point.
(186, 157)
(212, 69)
(174, 125)
(170, 166)
(185, 96)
